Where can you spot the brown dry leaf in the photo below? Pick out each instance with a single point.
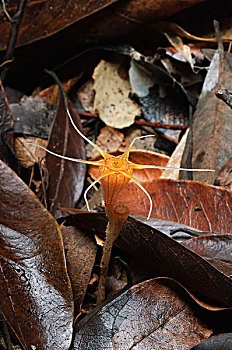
(36, 295)
(224, 177)
(204, 207)
(178, 31)
(155, 314)
(28, 155)
(66, 178)
(109, 139)
(212, 125)
(80, 249)
(85, 95)
(112, 90)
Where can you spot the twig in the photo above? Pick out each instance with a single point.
(15, 23)
(5, 10)
(224, 95)
(117, 216)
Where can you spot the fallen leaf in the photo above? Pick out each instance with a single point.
(207, 285)
(32, 116)
(212, 126)
(216, 249)
(162, 99)
(112, 91)
(109, 139)
(151, 315)
(66, 178)
(224, 177)
(85, 95)
(28, 155)
(36, 296)
(175, 160)
(80, 249)
(192, 203)
(221, 341)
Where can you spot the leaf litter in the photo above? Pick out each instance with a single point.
(166, 313)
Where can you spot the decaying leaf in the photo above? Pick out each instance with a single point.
(110, 140)
(80, 249)
(28, 155)
(66, 179)
(155, 314)
(36, 296)
(224, 177)
(175, 160)
(212, 125)
(165, 255)
(112, 90)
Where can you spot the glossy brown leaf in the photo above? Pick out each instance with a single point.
(42, 18)
(66, 178)
(80, 249)
(212, 125)
(216, 249)
(192, 203)
(6, 128)
(155, 314)
(166, 255)
(36, 295)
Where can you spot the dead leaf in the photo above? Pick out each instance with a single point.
(80, 249)
(150, 315)
(212, 126)
(36, 295)
(221, 341)
(109, 139)
(112, 92)
(66, 179)
(216, 249)
(204, 207)
(28, 155)
(224, 177)
(175, 160)
(205, 284)
(85, 95)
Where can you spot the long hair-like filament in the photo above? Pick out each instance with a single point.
(90, 186)
(143, 166)
(104, 154)
(145, 191)
(64, 157)
(126, 153)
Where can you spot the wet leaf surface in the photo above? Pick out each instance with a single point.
(216, 249)
(66, 178)
(42, 18)
(165, 255)
(36, 295)
(155, 314)
(212, 125)
(80, 251)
